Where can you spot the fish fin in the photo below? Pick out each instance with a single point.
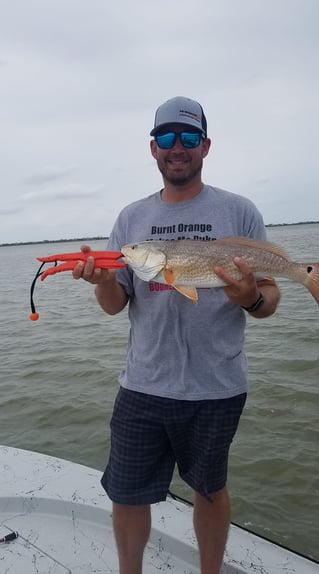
(187, 291)
(265, 281)
(169, 275)
(255, 243)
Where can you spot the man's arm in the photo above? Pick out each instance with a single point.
(110, 294)
(271, 296)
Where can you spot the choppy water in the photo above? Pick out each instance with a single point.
(58, 380)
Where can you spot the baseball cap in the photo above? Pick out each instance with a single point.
(180, 110)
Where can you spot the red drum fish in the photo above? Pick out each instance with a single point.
(189, 264)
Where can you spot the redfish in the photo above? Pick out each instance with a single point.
(189, 264)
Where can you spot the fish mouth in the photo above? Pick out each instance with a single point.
(129, 259)
(145, 263)
(144, 271)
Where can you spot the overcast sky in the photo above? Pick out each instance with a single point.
(80, 82)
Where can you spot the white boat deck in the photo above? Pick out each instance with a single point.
(64, 522)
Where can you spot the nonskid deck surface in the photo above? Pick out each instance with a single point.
(81, 547)
(64, 521)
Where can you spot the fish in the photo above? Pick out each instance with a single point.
(188, 264)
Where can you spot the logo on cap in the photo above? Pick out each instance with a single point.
(189, 115)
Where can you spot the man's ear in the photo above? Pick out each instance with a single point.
(153, 146)
(206, 146)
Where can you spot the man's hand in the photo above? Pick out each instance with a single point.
(109, 293)
(244, 291)
(85, 270)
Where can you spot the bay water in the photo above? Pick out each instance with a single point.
(58, 381)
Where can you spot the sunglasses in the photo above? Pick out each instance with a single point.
(188, 140)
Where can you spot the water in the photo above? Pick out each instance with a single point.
(59, 378)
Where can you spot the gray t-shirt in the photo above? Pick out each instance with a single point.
(178, 349)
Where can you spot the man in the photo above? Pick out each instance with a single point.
(184, 384)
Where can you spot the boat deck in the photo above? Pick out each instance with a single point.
(64, 521)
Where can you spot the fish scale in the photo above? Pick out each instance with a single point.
(189, 264)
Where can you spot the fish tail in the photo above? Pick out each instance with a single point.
(312, 280)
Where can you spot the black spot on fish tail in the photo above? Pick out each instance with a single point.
(309, 269)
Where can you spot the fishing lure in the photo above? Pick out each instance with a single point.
(102, 260)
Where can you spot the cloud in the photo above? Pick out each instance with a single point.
(80, 82)
(64, 193)
(6, 211)
(47, 174)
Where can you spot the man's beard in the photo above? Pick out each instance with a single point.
(179, 179)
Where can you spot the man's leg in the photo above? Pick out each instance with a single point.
(132, 525)
(211, 524)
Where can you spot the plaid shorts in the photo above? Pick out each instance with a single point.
(149, 435)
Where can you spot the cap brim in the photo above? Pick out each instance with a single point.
(159, 128)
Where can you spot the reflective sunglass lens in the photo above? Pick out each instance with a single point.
(190, 140)
(166, 141)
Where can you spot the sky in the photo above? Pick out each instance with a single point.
(80, 82)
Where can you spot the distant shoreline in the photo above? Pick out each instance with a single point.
(53, 241)
(106, 238)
